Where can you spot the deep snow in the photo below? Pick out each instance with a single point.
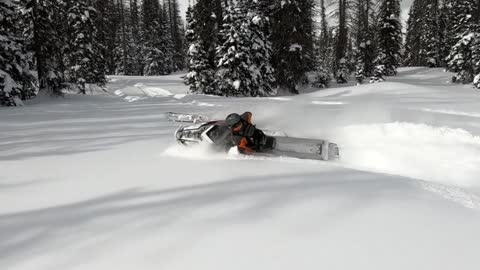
(97, 182)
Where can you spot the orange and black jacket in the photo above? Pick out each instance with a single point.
(242, 134)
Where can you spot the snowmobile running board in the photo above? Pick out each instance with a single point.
(305, 148)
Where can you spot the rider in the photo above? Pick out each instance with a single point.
(245, 135)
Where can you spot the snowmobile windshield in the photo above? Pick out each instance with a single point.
(220, 134)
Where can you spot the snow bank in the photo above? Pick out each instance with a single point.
(153, 91)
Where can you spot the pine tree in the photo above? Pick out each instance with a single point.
(45, 20)
(150, 28)
(177, 34)
(121, 51)
(430, 37)
(158, 47)
(415, 54)
(341, 70)
(101, 22)
(464, 55)
(325, 42)
(476, 58)
(444, 38)
(434, 30)
(200, 72)
(292, 39)
(209, 17)
(16, 81)
(134, 59)
(259, 23)
(204, 20)
(464, 58)
(364, 35)
(244, 58)
(323, 52)
(389, 37)
(466, 18)
(476, 81)
(107, 23)
(448, 16)
(81, 63)
(167, 44)
(233, 77)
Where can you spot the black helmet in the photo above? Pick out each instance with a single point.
(233, 119)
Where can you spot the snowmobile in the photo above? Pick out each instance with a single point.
(217, 134)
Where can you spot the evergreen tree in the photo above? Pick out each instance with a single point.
(389, 37)
(292, 39)
(444, 38)
(134, 41)
(209, 17)
(465, 18)
(121, 51)
(244, 58)
(476, 81)
(464, 56)
(107, 23)
(476, 56)
(44, 24)
(341, 71)
(200, 71)
(232, 77)
(81, 63)
(325, 43)
(16, 81)
(158, 50)
(177, 34)
(448, 17)
(434, 29)
(415, 53)
(167, 44)
(323, 52)
(430, 37)
(204, 20)
(362, 34)
(101, 22)
(259, 23)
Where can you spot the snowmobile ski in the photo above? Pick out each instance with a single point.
(186, 117)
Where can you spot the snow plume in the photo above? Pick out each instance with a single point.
(437, 154)
(198, 152)
(320, 118)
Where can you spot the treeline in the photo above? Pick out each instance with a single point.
(75, 43)
(232, 47)
(254, 47)
(445, 33)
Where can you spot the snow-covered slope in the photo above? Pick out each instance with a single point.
(97, 182)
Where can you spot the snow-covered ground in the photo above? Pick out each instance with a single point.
(97, 182)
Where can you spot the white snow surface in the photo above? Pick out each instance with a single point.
(97, 182)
